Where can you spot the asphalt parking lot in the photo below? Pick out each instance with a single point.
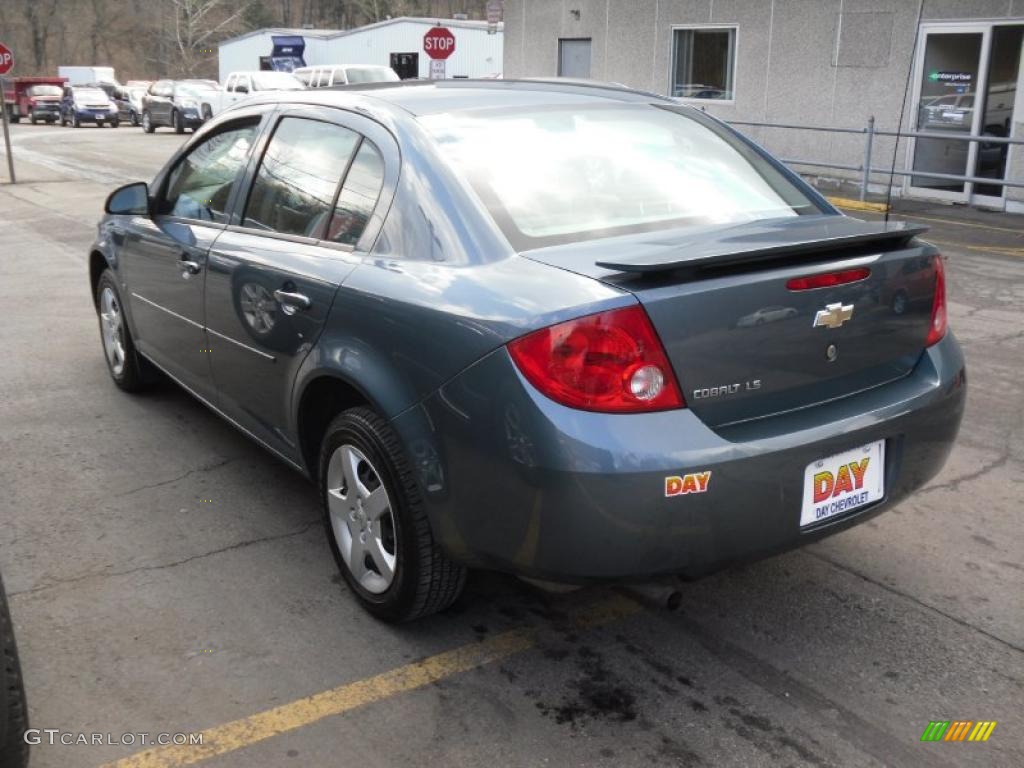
(168, 575)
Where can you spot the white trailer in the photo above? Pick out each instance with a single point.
(84, 75)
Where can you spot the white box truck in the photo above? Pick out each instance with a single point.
(85, 75)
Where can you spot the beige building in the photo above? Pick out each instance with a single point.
(952, 68)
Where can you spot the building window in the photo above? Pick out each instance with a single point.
(703, 62)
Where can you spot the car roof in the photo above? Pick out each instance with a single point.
(425, 97)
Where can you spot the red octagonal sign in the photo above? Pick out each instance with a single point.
(7, 59)
(439, 43)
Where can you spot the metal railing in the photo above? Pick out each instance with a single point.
(870, 132)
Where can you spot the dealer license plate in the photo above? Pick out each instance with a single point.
(843, 483)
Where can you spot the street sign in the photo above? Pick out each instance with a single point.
(437, 69)
(6, 60)
(495, 12)
(439, 43)
(6, 65)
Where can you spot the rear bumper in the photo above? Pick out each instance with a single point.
(90, 116)
(515, 482)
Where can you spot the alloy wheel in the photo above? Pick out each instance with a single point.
(361, 518)
(112, 323)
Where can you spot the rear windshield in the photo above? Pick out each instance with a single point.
(370, 74)
(556, 175)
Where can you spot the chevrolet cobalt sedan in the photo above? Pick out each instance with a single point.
(503, 325)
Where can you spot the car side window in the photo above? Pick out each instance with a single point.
(229, 86)
(297, 177)
(358, 195)
(243, 82)
(200, 184)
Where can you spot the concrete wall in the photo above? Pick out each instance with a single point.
(807, 62)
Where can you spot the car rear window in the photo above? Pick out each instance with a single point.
(555, 175)
(371, 75)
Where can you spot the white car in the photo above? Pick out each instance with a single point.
(240, 85)
(326, 75)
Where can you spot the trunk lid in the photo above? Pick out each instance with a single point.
(745, 346)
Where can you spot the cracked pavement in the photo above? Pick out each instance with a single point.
(139, 606)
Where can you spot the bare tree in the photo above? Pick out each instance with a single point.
(197, 25)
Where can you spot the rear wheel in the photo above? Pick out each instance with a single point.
(135, 118)
(376, 522)
(128, 370)
(147, 122)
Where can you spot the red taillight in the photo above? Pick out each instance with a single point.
(828, 279)
(940, 323)
(612, 361)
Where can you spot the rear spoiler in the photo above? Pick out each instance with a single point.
(795, 236)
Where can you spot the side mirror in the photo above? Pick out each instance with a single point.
(241, 89)
(131, 200)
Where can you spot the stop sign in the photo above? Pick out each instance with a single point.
(7, 58)
(439, 43)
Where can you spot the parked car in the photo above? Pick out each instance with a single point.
(325, 76)
(86, 104)
(173, 104)
(510, 338)
(203, 92)
(13, 709)
(129, 103)
(242, 85)
(37, 98)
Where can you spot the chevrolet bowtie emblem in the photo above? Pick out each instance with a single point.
(833, 315)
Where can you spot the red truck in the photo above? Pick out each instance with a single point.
(37, 98)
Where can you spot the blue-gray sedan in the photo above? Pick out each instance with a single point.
(571, 332)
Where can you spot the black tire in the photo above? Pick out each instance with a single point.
(135, 118)
(137, 373)
(177, 121)
(75, 122)
(13, 709)
(33, 120)
(115, 122)
(425, 579)
(147, 122)
(15, 118)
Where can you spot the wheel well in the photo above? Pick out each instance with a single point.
(97, 263)
(323, 399)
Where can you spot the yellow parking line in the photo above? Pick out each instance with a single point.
(978, 248)
(857, 205)
(237, 734)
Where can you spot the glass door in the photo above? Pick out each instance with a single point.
(1004, 70)
(951, 68)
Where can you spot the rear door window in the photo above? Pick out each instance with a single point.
(358, 196)
(200, 185)
(294, 188)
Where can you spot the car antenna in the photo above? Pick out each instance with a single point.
(903, 106)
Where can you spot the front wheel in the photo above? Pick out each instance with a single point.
(135, 118)
(147, 122)
(129, 371)
(33, 120)
(115, 122)
(75, 122)
(177, 121)
(376, 522)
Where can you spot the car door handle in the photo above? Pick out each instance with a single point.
(292, 301)
(190, 267)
